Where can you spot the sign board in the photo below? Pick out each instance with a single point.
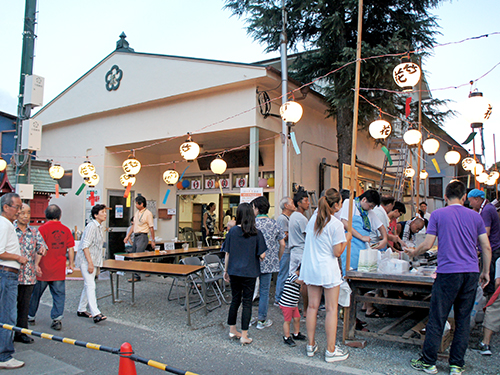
(119, 211)
(196, 184)
(25, 191)
(249, 194)
(224, 183)
(241, 182)
(210, 183)
(171, 211)
(97, 197)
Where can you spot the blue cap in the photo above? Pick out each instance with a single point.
(476, 193)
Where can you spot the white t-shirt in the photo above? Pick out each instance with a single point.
(374, 220)
(497, 269)
(375, 235)
(8, 242)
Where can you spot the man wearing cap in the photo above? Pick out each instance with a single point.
(492, 223)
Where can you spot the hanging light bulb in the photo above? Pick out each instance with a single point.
(125, 179)
(409, 172)
(482, 178)
(86, 169)
(423, 174)
(406, 75)
(56, 172)
(171, 177)
(478, 169)
(131, 166)
(468, 163)
(3, 164)
(412, 137)
(92, 181)
(218, 165)
(291, 112)
(452, 157)
(430, 146)
(476, 109)
(189, 149)
(380, 129)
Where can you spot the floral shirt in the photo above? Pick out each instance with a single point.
(30, 242)
(272, 234)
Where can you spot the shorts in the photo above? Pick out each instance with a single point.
(290, 312)
(492, 316)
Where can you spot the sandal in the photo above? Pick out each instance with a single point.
(376, 314)
(99, 318)
(84, 314)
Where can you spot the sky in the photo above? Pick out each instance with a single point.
(74, 36)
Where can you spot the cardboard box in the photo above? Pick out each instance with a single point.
(447, 337)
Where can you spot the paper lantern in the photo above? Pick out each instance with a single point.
(179, 185)
(270, 181)
(262, 182)
(412, 137)
(3, 164)
(170, 177)
(291, 112)
(190, 150)
(185, 184)
(406, 75)
(468, 164)
(490, 182)
(131, 166)
(424, 174)
(218, 165)
(56, 172)
(478, 169)
(125, 179)
(482, 178)
(452, 157)
(430, 146)
(409, 172)
(380, 129)
(86, 169)
(476, 109)
(494, 175)
(92, 180)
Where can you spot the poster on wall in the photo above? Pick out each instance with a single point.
(241, 182)
(249, 194)
(224, 183)
(119, 211)
(210, 183)
(196, 184)
(92, 197)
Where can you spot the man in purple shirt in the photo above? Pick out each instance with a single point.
(458, 230)
(492, 223)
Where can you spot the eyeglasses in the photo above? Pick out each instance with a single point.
(15, 207)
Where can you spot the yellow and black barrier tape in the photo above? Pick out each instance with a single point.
(89, 345)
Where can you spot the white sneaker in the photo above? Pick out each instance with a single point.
(337, 355)
(264, 324)
(11, 364)
(311, 349)
(253, 321)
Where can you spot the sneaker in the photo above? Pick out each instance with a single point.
(337, 355)
(456, 369)
(56, 324)
(299, 336)
(253, 321)
(289, 341)
(31, 321)
(11, 364)
(261, 324)
(419, 364)
(311, 349)
(482, 349)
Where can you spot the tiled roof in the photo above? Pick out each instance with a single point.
(40, 178)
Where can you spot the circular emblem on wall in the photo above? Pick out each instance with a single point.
(113, 78)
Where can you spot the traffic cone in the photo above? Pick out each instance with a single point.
(127, 366)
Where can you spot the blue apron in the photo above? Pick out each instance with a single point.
(356, 244)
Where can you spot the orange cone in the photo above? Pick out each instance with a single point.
(127, 366)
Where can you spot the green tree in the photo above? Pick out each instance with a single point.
(325, 33)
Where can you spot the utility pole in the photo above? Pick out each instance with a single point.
(284, 93)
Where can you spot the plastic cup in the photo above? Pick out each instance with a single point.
(157, 250)
(200, 244)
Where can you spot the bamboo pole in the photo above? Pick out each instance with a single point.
(419, 152)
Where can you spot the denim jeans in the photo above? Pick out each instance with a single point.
(58, 291)
(264, 286)
(457, 290)
(88, 296)
(241, 288)
(8, 312)
(282, 275)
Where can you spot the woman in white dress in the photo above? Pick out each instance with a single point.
(320, 271)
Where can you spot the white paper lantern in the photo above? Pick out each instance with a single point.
(291, 112)
(478, 169)
(423, 174)
(412, 137)
(218, 165)
(125, 179)
(430, 146)
(3, 165)
(170, 177)
(56, 172)
(86, 169)
(92, 180)
(482, 178)
(131, 166)
(494, 175)
(190, 150)
(380, 129)
(476, 109)
(406, 75)
(468, 164)
(409, 172)
(452, 157)
(490, 182)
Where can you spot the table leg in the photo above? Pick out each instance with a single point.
(133, 289)
(117, 286)
(204, 291)
(188, 308)
(111, 281)
(351, 340)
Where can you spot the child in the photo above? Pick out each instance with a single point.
(288, 305)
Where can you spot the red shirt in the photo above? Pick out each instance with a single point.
(58, 238)
(393, 229)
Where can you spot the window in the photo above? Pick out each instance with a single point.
(436, 187)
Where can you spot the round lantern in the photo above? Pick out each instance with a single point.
(406, 75)
(452, 157)
(424, 174)
(86, 169)
(92, 180)
(125, 179)
(476, 109)
(185, 184)
(494, 175)
(131, 166)
(468, 164)
(262, 182)
(179, 185)
(490, 182)
(409, 172)
(190, 150)
(482, 178)
(56, 172)
(291, 112)
(380, 129)
(270, 181)
(412, 137)
(3, 164)
(478, 169)
(170, 177)
(430, 146)
(218, 165)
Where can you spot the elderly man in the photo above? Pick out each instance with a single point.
(59, 241)
(287, 208)
(489, 215)
(10, 262)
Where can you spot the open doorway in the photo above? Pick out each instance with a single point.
(118, 220)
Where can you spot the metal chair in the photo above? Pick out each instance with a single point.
(215, 268)
(190, 236)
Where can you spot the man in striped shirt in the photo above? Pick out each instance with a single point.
(288, 305)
